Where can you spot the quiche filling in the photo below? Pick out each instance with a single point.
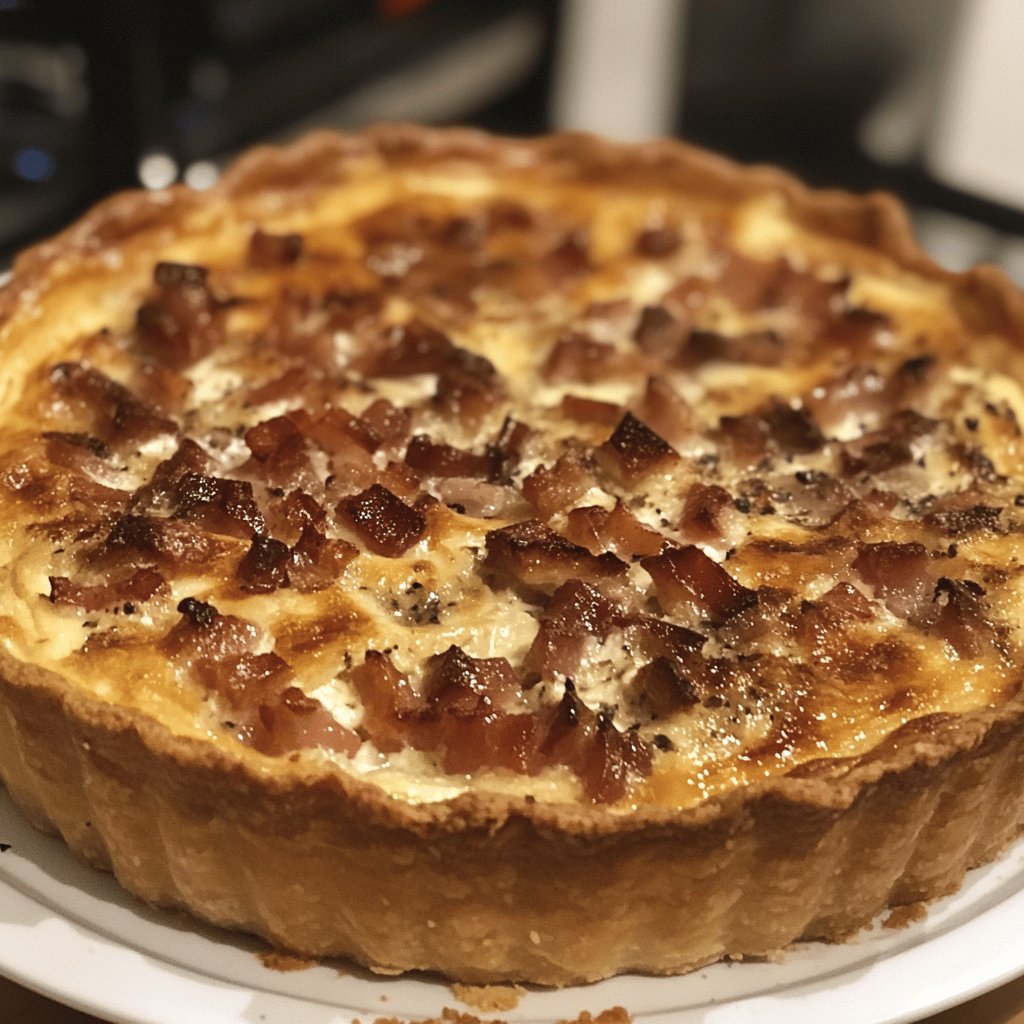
(600, 495)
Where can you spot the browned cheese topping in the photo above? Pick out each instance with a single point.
(587, 494)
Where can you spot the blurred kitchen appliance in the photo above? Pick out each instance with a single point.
(96, 97)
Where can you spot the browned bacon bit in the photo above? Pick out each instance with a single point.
(82, 453)
(778, 428)
(389, 422)
(657, 638)
(655, 242)
(415, 347)
(589, 744)
(243, 680)
(598, 529)
(281, 451)
(665, 412)
(144, 540)
(701, 510)
(537, 556)
(555, 488)
(847, 601)
(203, 633)
(455, 682)
(660, 334)
(288, 516)
(508, 447)
(590, 410)
(444, 460)
(299, 381)
(218, 505)
(382, 521)
(578, 357)
(336, 430)
(317, 561)
(291, 721)
(118, 415)
(898, 573)
(569, 258)
(959, 616)
(162, 487)
(688, 581)
(142, 585)
(388, 701)
(184, 320)
(268, 251)
(264, 567)
(464, 395)
(634, 451)
(576, 611)
(755, 348)
(664, 688)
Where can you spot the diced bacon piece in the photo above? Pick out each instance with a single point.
(665, 412)
(415, 348)
(453, 681)
(959, 615)
(315, 561)
(576, 611)
(848, 602)
(388, 699)
(264, 567)
(536, 555)
(508, 447)
(218, 505)
(336, 430)
(184, 320)
(775, 429)
(657, 242)
(82, 453)
(287, 517)
(244, 681)
(269, 251)
(389, 422)
(661, 334)
(141, 586)
(752, 348)
(161, 490)
(293, 721)
(658, 638)
(444, 460)
(664, 688)
(701, 511)
(280, 453)
(899, 575)
(492, 740)
(466, 396)
(118, 416)
(306, 382)
(557, 488)
(634, 451)
(161, 386)
(203, 633)
(589, 410)
(382, 521)
(618, 530)
(688, 581)
(578, 357)
(603, 758)
(568, 259)
(139, 541)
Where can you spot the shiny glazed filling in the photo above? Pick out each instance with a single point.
(590, 494)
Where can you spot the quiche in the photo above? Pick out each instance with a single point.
(519, 559)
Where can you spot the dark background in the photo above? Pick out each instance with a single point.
(100, 95)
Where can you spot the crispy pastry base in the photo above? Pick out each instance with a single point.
(485, 888)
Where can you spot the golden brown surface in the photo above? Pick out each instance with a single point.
(432, 503)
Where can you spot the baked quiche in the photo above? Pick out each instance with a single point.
(524, 560)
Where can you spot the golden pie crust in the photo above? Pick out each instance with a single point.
(540, 875)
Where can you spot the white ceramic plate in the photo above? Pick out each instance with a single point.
(69, 932)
